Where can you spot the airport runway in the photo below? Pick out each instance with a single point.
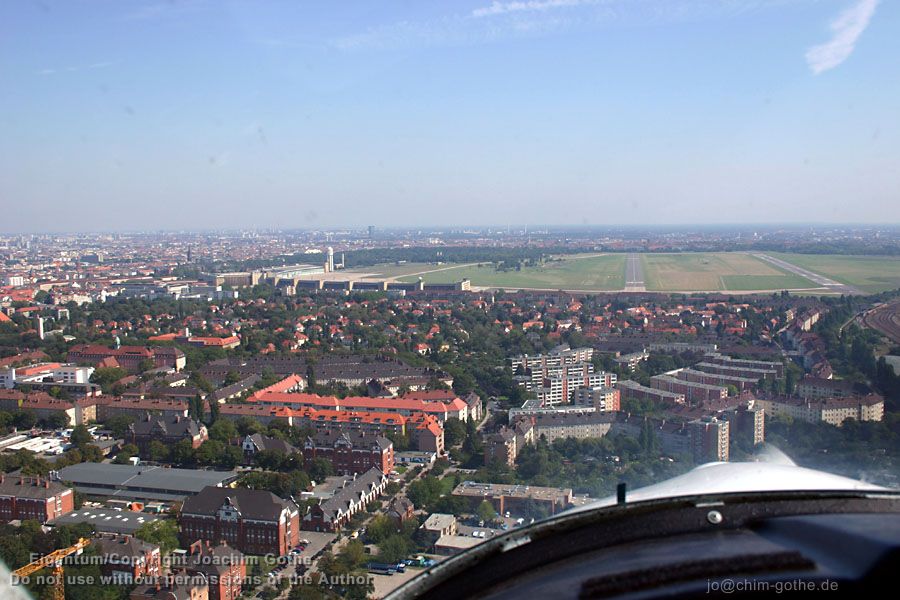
(634, 274)
(831, 284)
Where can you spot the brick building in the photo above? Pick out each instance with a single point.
(253, 521)
(257, 442)
(33, 497)
(223, 567)
(127, 357)
(351, 452)
(125, 558)
(166, 430)
(335, 512)
(174, 586)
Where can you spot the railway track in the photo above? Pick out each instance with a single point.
(886, 320)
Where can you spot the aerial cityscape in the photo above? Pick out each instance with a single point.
(374, 400)
(491, 299)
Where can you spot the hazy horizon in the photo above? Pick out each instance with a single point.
(515, 228)
(196, 115)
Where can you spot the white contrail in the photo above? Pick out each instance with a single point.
(846, 28)
(502, 8)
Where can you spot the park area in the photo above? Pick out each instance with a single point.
(600, 272)
(869, 273)
(715, 271)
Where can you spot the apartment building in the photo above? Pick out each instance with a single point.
(710, 439)
(335, 512)
(829, 410)
(673, 435)
(455, 408)
(43, 406)
(717, 379)
(817, 388)
(632, 390)
(505, 444)
(694, 393)
(551, 426)
(747, 423)
(168, 408)
(721, 359)
(559, 356)
(601, 399)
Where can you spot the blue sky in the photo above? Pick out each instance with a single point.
(189, 114)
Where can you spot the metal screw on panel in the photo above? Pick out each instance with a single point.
(714, 517)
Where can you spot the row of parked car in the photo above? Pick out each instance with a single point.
(400, 567)
(284, 564)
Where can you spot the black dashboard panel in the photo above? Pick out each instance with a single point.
(845, 543)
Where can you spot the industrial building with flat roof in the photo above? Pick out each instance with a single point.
(141, 482)
(510, 497)
(107, 520)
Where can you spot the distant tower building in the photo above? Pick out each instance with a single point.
(343, 264)
(40, 327)
(189, 254)
(371, 231)
(330, 259)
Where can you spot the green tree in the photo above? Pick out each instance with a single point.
(183, 452)
(485, 511)
(353, 555)
(105, 377)
(56, 420)
(454, 432)
(232, 457)
(380, 528)
(127, 451)
(81, 435)
(393, 549)
(213, 411)
(195, 409)
(311, 378)
(319, 469)
(223, 430)
(163, 533)
(209, 452)
(118, 424)
(158, 451)
(248, 426)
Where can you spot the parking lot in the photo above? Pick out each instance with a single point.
(287, 566)
(384, 584)
(467, 528)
